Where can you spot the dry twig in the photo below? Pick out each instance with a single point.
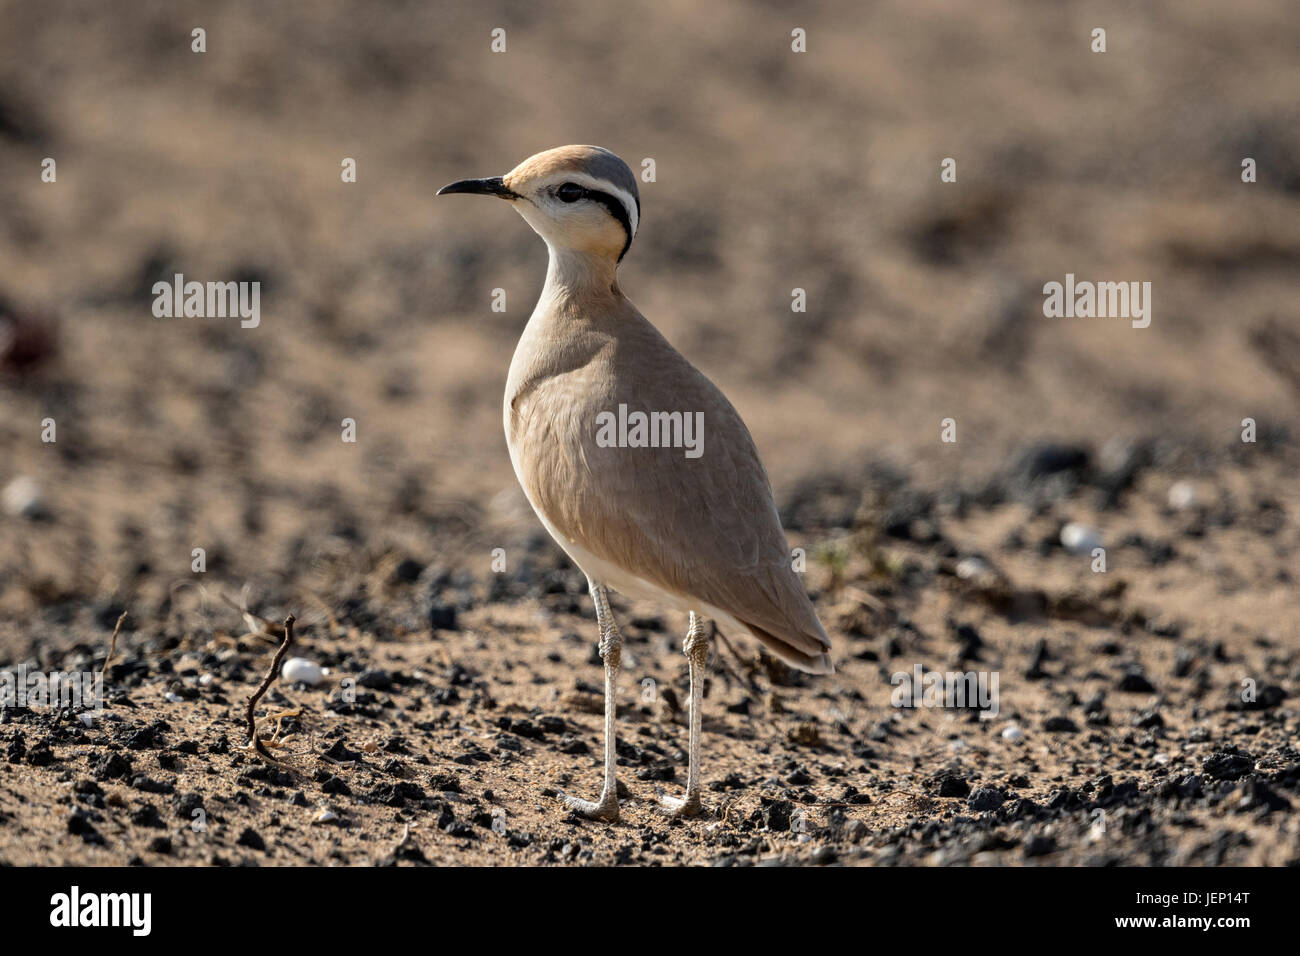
(269, 679)
(745, 663)
(112, 644)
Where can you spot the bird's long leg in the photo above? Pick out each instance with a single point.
(696, 647)
(611, 644)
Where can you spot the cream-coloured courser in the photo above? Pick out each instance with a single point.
(699, 534)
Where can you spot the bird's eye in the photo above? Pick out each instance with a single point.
(570, 192)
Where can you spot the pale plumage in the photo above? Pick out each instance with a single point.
(700, 534)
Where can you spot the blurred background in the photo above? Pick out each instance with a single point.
(775, 170)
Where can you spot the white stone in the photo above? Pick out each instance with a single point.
(1079, 538)
(299, 670)
(972, 567)
(22, 498)
(1182, 496)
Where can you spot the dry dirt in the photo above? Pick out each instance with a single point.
(476, 694)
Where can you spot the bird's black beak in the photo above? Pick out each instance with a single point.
(481, 187)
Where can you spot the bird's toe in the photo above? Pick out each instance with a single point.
(682, 807)
(604, 809)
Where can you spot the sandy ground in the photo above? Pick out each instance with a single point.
(1122, 734)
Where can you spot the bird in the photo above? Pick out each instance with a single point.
(695, 530)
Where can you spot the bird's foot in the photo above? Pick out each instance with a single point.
(681, 807)
(606, 808)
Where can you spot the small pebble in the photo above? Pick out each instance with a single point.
(1079, 538)
(22, 498)
(299, 670)
(985, 799)
(1060, 725)
(1012, 732)
(855, 831)
(1182, 496)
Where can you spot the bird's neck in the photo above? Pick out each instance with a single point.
(574, 275)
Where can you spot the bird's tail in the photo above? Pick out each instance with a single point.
(800, 658)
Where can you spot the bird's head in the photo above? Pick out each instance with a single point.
(578, 198)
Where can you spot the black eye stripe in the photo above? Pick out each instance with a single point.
(618, 211)
(572, 192)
